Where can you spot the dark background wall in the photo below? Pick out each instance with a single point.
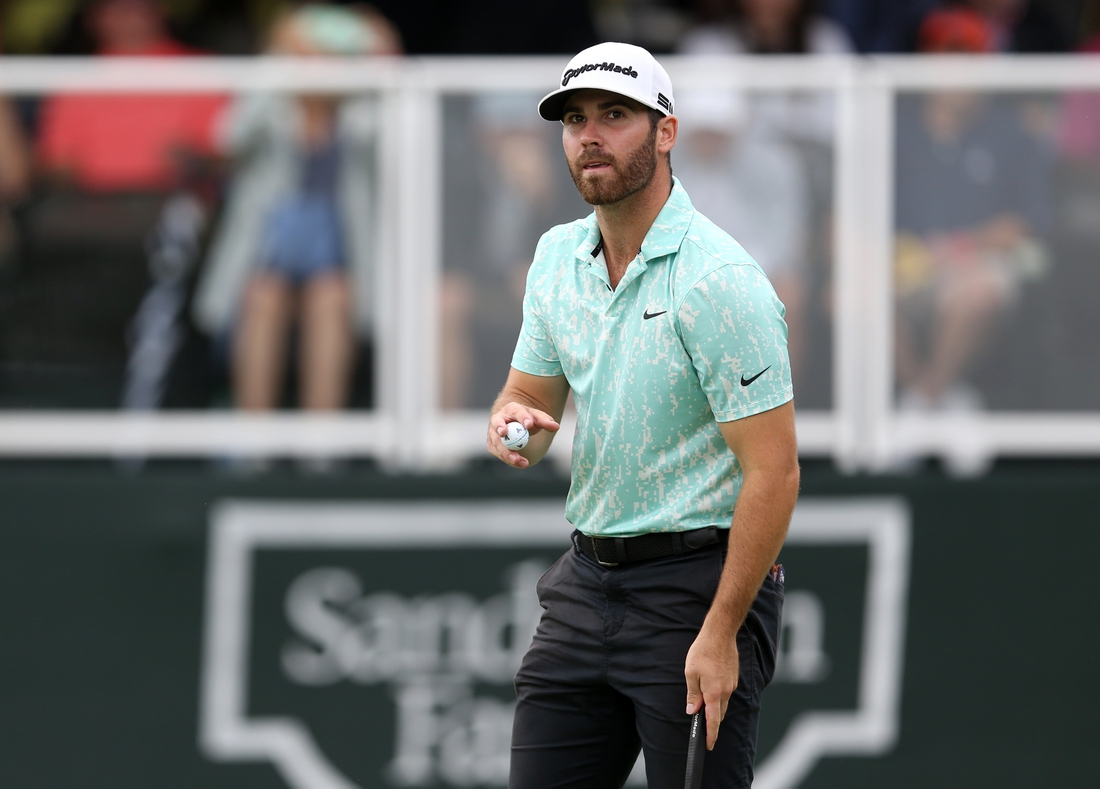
(102, 579)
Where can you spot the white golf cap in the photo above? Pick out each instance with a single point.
(619, 68)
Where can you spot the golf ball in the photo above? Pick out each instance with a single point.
(516, 437)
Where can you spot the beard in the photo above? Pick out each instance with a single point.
(624, 179)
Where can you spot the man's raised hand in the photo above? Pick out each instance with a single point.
(533, 419)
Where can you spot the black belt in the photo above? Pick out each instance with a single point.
(613, 551)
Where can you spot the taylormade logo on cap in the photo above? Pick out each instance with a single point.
(618, 68)
(605, 66)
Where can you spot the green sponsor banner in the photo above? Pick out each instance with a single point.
(375, 644)
(184, 628)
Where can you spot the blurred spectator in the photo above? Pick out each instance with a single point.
(1076, 242)
(800, 121)
(1021, 26)
(755, 188)
(297, 239)
(775, 27)
(59, 27)
(15, 172)
(880, 26)
(765, 27)
(109, 161)
(891, 25)
(110, 143)
(972, 203)
(15, 162)
(506, 195)
(1079, 135)
(956, 32)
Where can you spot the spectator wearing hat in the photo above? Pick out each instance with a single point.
(287, 253)
(1020, 25)
(972, 205)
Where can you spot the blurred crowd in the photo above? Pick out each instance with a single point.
(438, 27)
(197, 251)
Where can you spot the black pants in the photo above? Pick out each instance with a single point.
(605, 675)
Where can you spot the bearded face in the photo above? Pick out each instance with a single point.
(619, 177)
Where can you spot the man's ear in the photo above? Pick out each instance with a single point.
(667, 129)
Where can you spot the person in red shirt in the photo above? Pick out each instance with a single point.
(114, 234)
(126, 142)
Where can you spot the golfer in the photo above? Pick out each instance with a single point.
(684, 463)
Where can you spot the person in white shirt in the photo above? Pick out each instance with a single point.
(776, 27)
(753, 186)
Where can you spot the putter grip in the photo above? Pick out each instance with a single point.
(697, 748)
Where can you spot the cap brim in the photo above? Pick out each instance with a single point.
(552, 106)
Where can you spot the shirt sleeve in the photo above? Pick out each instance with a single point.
(732, 326)
(535, 352)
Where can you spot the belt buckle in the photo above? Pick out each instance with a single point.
(596, 555)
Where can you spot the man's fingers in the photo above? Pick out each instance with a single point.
(530, 418)
(715, 713)
(539, 420)
(509, 456)
(716, 702)
(513, 458)
(694, 697)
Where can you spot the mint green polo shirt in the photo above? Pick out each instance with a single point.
(693, 335)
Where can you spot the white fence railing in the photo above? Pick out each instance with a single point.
(862, 430)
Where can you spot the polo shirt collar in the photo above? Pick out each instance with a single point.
(663, 238)
(670, 226)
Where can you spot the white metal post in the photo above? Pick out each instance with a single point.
(848, 256)
(386, 378)
(419, 223)
(877, 291)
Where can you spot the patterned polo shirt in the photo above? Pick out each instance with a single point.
(693, 335)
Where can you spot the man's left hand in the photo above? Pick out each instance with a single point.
(766, 448)
(711, 671)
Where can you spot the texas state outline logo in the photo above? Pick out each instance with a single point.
(374, 644)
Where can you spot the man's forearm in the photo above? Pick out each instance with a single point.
(760, 522)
